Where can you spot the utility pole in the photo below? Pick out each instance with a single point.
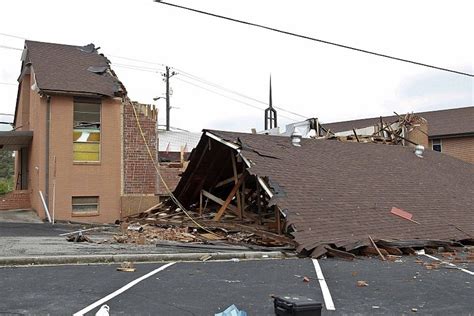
(168, 106)
(167, 98)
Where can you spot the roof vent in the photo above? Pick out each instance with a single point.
(296, 138)
(419, 149)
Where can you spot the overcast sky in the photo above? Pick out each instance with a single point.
(309, 78)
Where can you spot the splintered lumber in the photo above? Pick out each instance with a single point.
(229, 198)
(236, 179)
(377, 248)
(340, 253)
(219, 201)
(226, 181)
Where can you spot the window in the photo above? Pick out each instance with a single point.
(436, 145)
(86, 132)
(85, 205)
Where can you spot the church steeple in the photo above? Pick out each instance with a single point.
(270, 112)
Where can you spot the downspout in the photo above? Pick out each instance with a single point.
(46, 170)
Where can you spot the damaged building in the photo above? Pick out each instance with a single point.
(448, 131)
(328, 197)
(80, 152)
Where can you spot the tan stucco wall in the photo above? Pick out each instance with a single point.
(459, 147)
(85, 179)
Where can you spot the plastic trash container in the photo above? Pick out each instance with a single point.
(297, 306)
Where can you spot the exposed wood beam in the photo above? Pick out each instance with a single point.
(229, 198)
(226, 181)
(236, 179)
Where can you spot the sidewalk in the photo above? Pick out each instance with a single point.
(33, 243)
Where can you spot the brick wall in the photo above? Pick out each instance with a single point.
(15, 200)
(459, 147)
(139, 173)
(171, 175)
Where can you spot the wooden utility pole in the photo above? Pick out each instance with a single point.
(167, 77)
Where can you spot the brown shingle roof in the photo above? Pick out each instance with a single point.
(65, 69)
(449, 122)
(339, 193)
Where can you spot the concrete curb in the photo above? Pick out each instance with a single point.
(117, 258)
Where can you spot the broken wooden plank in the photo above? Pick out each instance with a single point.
(340, 253)
(226, 181)
(219, 201)
(369, 250)
(229, 198)
(377, 248)
(236, 179)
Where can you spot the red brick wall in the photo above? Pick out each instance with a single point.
(139, 173)
(171, 175)
(15, 200)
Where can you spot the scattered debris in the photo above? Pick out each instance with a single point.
(305, 279)
(414, 310)
(126, 267)
(104, 310)
(362, 283)
(232, 310)
(79, 237)
(205, 257)
(403, 214)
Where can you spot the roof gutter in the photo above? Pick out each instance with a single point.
(466, 134)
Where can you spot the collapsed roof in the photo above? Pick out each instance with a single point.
(77, 70)
(335, 193)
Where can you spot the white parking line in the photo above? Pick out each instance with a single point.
(121, 290)
(445, 262)
(324, 287)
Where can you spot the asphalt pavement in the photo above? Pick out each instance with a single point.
(205, 288)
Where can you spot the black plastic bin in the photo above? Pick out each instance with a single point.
(297, 306)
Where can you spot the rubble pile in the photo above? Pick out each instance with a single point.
(171, 224)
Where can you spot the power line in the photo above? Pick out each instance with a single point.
(14, 36)
(194, 77)
(315, 39)
(230, 98)
(10, 47)
(8, 84)
(134, 67)
(137, 60)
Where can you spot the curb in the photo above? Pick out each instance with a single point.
(136, 258)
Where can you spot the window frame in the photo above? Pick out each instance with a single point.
(98, 102)
(437, 142)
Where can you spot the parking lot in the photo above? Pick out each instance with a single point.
(205, 288)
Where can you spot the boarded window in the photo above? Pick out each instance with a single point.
(86, 133)
(85, 204)
(437, 145)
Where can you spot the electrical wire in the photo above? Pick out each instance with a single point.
(10, 47)
(231, 98)
(172, 196)
(210, 83)
(134, 67)
(314, 39)
(137, 60)
(14, 36)
(8, 84)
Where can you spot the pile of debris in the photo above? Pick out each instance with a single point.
(408, 129)
(167, 223)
